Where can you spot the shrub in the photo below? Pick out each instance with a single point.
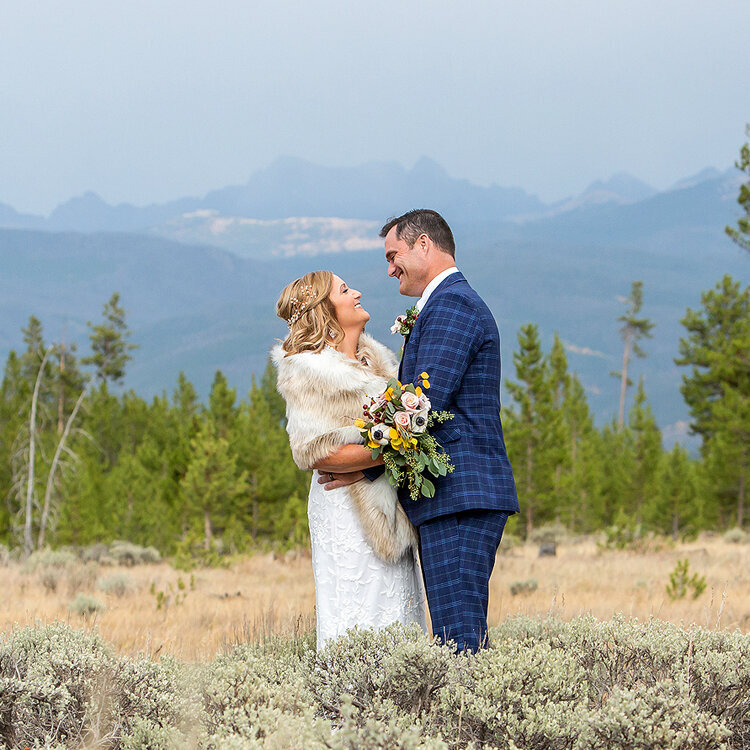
(86, 605)
(125, 553)
(524, 587)
(48, 676)
(191, 553)
(542, 685)
(48, 558)
(254, 690)
(81, 577)
(50, 579)
(553, 533)
(171, 595)
(658, 716)
(61, 687)
(118, 584)
(96, 553)
(517, 695)
(398, 664)
(680, 581)
(736, 536)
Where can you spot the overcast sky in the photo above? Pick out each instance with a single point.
(148, 100)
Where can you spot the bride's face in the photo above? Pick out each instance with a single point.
(346, 301)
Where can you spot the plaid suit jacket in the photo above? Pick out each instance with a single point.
(456, 341)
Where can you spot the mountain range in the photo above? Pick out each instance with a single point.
(199, 276)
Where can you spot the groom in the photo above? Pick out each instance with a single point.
(455, 340)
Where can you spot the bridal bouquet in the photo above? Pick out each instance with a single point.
(396, 425)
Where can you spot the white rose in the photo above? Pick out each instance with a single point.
(424, 402)
(419, 421)
(402, 419)
(379, 434)
(410, 401)
(396, 327)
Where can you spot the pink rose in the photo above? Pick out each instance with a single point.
(402, 419)
(410, 401)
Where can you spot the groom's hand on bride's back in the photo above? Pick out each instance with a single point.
(333, 481)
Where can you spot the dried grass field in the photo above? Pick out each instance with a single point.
(263, 594)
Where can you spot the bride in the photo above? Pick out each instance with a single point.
(364, 550)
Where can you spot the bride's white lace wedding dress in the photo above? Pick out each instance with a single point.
(365, 563)
(354, 587)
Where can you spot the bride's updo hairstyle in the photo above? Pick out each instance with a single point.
(306, 306)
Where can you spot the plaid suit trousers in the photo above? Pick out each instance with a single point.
(458, 554)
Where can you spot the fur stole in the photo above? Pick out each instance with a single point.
(324, 394)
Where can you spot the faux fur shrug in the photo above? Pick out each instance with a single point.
(324, 394)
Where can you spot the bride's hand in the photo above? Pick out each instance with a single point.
(333, 481)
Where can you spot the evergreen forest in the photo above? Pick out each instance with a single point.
(83, 461)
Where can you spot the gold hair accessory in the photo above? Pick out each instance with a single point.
(299, 306)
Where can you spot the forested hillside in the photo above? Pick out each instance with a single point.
(82, 461)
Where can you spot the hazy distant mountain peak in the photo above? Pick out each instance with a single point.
(621, 187)
(428, 169)
(11, 218)
(291, 186)
(88, 210)
(709, 173)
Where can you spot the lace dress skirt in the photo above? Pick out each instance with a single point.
(353, 587)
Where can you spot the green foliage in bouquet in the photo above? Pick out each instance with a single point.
(396, 425)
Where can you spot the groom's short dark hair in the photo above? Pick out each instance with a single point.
(422, 221)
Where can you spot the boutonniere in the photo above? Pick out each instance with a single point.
(404, 323)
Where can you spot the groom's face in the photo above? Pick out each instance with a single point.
(407, 264)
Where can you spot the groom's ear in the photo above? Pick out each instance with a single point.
(423, 243)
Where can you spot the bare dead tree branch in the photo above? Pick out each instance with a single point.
(28, 542)
(53, 468)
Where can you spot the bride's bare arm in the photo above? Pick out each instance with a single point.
(346, 459)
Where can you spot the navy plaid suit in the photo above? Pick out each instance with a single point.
(456, 341)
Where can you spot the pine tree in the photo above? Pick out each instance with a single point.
(559, 453)
(633, 329)
(271, 394)
(212, 486)
(741, 233)
(15, 394)
(617, 490)
(68, 381)
(264, 453)
(109, 343)
(676, 508)
(221, 405)
(717, 390)
(580, 491)
(33, 337)
(185, 400)
(530, 432)
(647, 450)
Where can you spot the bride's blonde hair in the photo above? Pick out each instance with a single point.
(306, 306)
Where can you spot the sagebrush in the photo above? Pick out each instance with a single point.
(541, 684)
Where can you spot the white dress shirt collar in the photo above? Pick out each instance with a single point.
(433, 285)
